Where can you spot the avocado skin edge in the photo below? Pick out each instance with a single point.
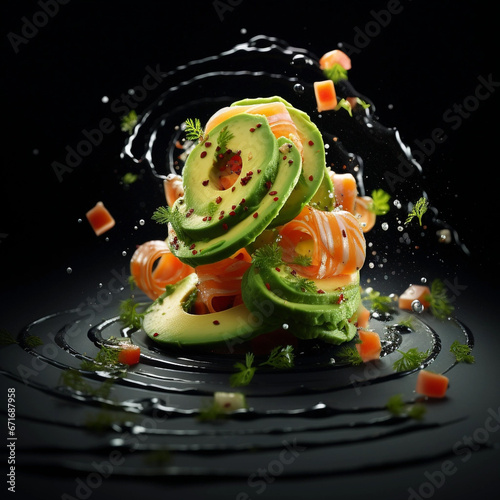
(328, 322)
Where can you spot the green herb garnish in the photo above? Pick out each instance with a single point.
(410, 360)
(418, 210)
(349, 354)
(345, 104)
(129, 315)
(378, 302)
(223, 138)
(380, 205)
(161, 215)
(439, 303)
(462, 352)
(128, 122)
(129, 178)
(194, 130)
(106, 358)
(302, 260)
(7, 338)
(281, 357)
(398, 407)
(267, 256)
(245, 371)
(336, 73)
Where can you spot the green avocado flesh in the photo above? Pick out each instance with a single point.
(308, 314)
(313, 165)
(166, 321)
(206, 209)
(239, 233)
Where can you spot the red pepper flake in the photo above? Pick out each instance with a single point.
(268, 185)
(293, 272)
(321, 291)
(203, 154)
(204, 218)
(311, 177)
(259, 171)
(225, 227)
(205, 183)
(341, 298)
(232, 213)
(189, 212)
(192, 246)
(208, 144)
(194, 252)
(155, 334)
(272, 193)
(233, 188)
(259, 125)
(344, 234)
(275, 198)
(218, 199)
(252, 130)
(290, 162)
(268, 286)
(284, 157)
(216, 322)
(250, 173)
(242, 201)
(255, 215)
(277, 269)
(209, 219)
(311, 143)
(233, 206)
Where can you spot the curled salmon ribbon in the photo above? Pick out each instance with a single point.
(334, 241)
(220, 283)
(153, 267)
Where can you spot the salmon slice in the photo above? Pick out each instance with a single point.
(220, 283)
(334, 242)
(173, 187)
(153, 267)
(364, 213)
(276, 113)
(345, 189)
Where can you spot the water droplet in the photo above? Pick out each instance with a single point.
(243, 31)
(385, 226)
(100, 285)
(79, 221)
(298, 88)
(142, 222)
(284, 326)
(401, 229)
(104, 99)
(69, 270)
(397, 203)
(124, 253)
(417, 306)
(423, 279)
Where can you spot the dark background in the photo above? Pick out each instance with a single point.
(424, 62)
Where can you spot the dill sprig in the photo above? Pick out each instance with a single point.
(378, 302)
(380, 204)
(462, 352)
(345, 104)
(302, 260)
(439, 303)
(418, 210)
(161, 215)
(397, 407)
(194, 130)
(128, 121)
(410, 360)
(268, 256)
(6, 338)
(349, 354)
(129, 315)
(223, 138)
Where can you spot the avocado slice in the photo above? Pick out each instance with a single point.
(241, 233)
(166, 322)
(313, 165)
(207, 209)
(307, 318)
